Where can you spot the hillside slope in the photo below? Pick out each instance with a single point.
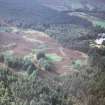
(74, 4)
(47, 11)
(26, 41)
(35, 12)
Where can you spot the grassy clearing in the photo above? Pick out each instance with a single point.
(54, 57)
(95, 20)
(99, 23)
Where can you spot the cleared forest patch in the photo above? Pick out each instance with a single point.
(24, 45)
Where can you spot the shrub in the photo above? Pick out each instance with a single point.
(103, 43)
(40, 54)
(46, 64)
(1, 58)
(30, 70)
(98, 29)
(77, 64)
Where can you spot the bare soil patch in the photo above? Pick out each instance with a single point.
(24, 47)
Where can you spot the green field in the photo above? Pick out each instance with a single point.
(54, 57)
(99, 23)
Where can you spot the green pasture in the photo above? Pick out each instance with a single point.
(54, 57)
(99, 23)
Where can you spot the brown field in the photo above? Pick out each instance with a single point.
(22, 44)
